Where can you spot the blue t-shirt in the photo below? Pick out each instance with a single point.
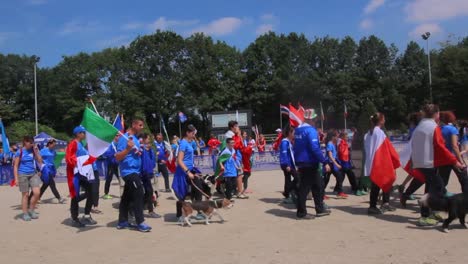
(194, 145)
(447, 132)
(27, 165)
(331, 147)
(48, 156)
(230, 166)
(132, 162)
(187, 148)
(161, 150)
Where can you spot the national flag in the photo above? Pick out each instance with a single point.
(5, 143)
(284, 110)
(296, 117)
(406, 163)
(381, 159)
(300, 108)
(345, 110)
(182, 117)
(119, 123)
(99, 134)
(222, 157)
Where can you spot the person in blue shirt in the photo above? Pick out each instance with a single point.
(129, 157)
(201, 145)
(148, 164)
(183, 176)
(112, 168)
(308, 156)
(231, 168)
(25, 169)
(288, 166)
(335, 167)
(162, 153)
(49, 171)
(450, 135)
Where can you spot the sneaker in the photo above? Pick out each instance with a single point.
(305, 217)
(449, 194)
(78, 223)
(288, 201)
(387, 208)
(341, 195)
(106, 197)
(242, 196)
(88, 220)
(437, 217)
(325, 206)
(426, 221)
(364, 192)
(33, 215)
(325, 197)
(144, 227)
(26, 217)
(153, 215)
(325, 212)
(200, 216)
(374, 211)
(62, 200)
(359, 193)
(411, 197)
(125, 225)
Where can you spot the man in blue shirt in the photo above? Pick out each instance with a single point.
(129, 157)
(308, 156)
(161, 153)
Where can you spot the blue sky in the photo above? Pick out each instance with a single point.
(52, 28)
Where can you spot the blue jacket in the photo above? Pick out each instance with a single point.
(110, 154)
(148, 160)
(286, 155)
(307, 151)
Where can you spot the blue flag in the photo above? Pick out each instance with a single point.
(182, 117)
(5, 143)
(119, 123)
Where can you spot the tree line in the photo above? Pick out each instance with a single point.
(163, 73)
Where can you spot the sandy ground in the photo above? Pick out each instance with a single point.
(257, 230)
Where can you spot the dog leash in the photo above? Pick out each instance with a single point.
(204, 194)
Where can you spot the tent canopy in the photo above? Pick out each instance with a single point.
(43, 137)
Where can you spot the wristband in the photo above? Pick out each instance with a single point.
(187, 170)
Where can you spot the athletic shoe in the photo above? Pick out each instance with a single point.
(411, 197)
(305, 217)
(341, 195)
(153, 215)
(200, 216)
(125, 225)
(26, 217)
(242, 196)
(78, 223)
(62, 200)
(374, 211)
(325, 212)
(437, 217)
(449, 194)
(33, 215)
(144, 227)
(106, 197)
(426, 221)
(364, 192)
(88, 220)
(387, 208)
(325, 206)
(359, 193)
(288, 201)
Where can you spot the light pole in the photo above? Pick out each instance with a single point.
(426, 36)
(36, 60)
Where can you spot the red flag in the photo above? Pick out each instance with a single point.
(296, 117)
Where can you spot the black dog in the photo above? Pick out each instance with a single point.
(456, 206)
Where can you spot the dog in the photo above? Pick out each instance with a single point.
(207, 208)
(456, 206)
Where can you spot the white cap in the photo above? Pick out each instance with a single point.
(278, 130)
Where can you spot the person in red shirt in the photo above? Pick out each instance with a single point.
(246, 160)
(213, 144)
(261, 143)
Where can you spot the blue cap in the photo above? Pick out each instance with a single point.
(78, 129)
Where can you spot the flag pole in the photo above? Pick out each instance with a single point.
(281, 119)
(321, 115)
(180, 130)
(345, 114)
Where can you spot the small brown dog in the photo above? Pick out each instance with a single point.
(206, 208)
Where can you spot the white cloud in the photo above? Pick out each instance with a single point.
(117, 41)
(264, 28)
(433, 28)
(220, 27)
(435, 10)
(162, 23)
(77, 26)
(372, 6)
(132, 26)
(366, 24)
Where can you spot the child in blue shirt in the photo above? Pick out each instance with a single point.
(148, 163)
(230, 167)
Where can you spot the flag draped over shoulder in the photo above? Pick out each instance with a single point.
(222, 157)
(381, 159)
(99, 134)
(406, 163)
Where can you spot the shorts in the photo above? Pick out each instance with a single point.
(27, 181)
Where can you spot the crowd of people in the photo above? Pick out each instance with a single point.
(135, 158)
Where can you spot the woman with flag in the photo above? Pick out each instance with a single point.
(381, 161)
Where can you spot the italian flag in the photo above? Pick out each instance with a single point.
(381, 159)
(99, 134)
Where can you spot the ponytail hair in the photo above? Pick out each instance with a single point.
(375, 119)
